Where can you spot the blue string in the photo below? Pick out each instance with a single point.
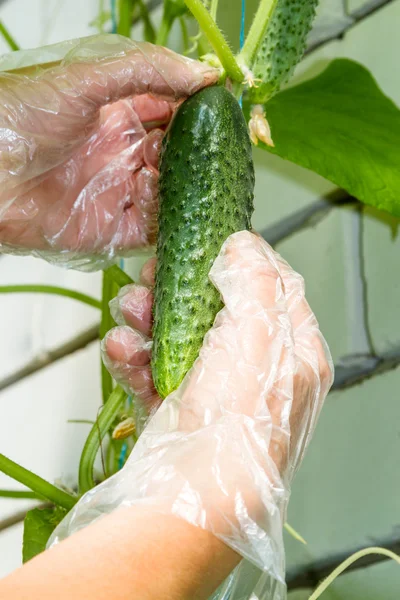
(241, 39)
(122, 455)
(114, 16)
(241, 42)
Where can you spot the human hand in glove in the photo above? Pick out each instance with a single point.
(221, 451)
(79, 145)
(209, 479)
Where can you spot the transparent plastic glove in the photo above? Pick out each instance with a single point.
(79, 142)
(221, 451)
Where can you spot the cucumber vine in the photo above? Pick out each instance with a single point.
(216, 39)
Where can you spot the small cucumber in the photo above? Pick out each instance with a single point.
(282, 47)
(206, 193)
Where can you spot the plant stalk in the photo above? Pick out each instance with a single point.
(8, 37)
(214, 9)
(36, 483)
(216, 39)
(107, 322)
(95, 437)
(149, 32)
(185, 34)
(349, 561)
(125, 9)
(163, 32)
(20, 494)
(119, 276)
(256, 33)
(50, 289)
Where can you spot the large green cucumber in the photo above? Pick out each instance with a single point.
(206, 193)
(282, 47)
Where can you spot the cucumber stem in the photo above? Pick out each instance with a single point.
(95, 437)
(216, 39)
(32, 481)
(257, 32)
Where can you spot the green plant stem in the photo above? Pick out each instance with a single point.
(50, 289)
(149, 31)
(295, 534)
(117, 447)
(256, 33)
(36, 483)
(107, 322)
(214, 9)
(125, 9)
(20, 494)
(95, 437)
(216, 39)
(8, 37)
(119, 276)
(346, 563)
(185, 34)
(163, 32)
(109, 458)
(101, 12)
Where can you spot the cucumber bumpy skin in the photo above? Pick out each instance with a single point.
(206, 189)
(283, 46)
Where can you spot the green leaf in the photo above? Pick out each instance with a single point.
(39, 524)
(343, 127)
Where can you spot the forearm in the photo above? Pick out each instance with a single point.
(132, 553)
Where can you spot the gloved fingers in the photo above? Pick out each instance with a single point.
(138, 224)
(310, 345)
(313, 375)
(140, 68)
(106, 200)
(68, 130)
(152, 147)
(248, 355)
(126, 354)
(144, 117)
(133, 307)
(246, 264)
(153, 111)
(127, 349)
(252, 360)
(126, 346)
(148, 272)
(103, 213)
